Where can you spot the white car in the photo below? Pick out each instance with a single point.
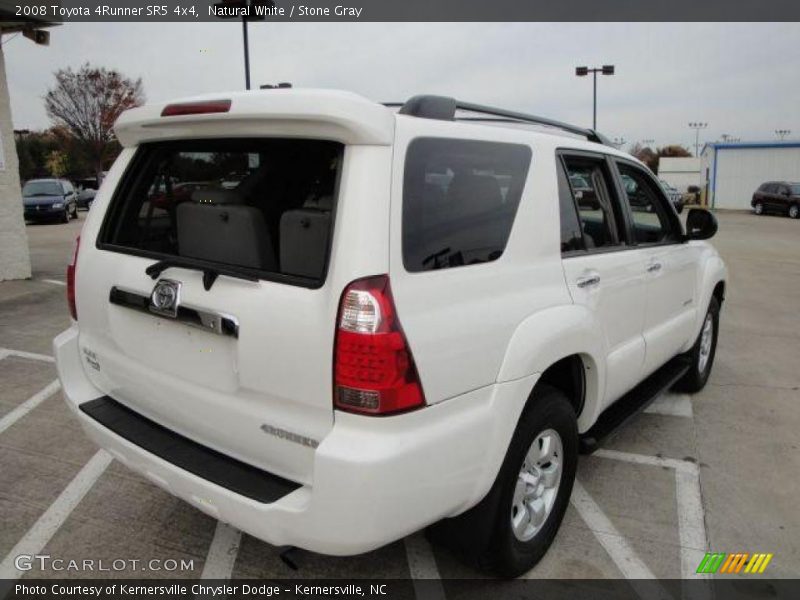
(395, 319)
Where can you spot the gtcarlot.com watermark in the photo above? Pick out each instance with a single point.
(45, 562)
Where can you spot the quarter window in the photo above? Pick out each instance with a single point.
(459, 201)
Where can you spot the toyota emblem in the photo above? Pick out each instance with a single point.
(165, 298)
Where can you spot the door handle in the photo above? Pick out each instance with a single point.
(588, 281)
(654, 267)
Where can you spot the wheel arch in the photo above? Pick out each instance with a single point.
(564, 346)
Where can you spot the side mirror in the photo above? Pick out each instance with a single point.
(701, 224)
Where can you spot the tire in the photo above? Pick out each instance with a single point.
(794, 211)
(758, 208)
(75, 211)
(702, 353)
(65, 216)
(484, 536)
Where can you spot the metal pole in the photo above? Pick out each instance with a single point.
(696, 141)
(594, 100)
(246, 56)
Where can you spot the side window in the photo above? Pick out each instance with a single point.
(648, 208)
(459, 201)
(598, 211)
(571, 236)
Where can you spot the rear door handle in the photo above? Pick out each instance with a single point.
(654, 267)
(589, 280)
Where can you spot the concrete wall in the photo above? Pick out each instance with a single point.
(741, 170)
(15, 262)
(681, 172)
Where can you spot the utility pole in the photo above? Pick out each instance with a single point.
(782, 133)
(697, 126)
(246, 10)
(582, 72)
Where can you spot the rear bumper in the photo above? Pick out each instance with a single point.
(375, 479)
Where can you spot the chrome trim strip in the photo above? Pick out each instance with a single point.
(194, 316)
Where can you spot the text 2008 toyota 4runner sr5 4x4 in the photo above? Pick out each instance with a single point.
(332, 323)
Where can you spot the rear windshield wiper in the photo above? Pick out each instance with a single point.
(210, 273)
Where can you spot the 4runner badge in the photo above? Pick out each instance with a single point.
(165, 298)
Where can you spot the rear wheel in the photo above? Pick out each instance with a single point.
(794, 211)
(702, 353)
(758, 208)
(510, 530)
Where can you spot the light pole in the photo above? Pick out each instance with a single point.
(697, 127)
(583, 72)
(647, 143)
(619, 142)
(782, 133)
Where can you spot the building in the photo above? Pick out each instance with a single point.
(681, 172)
(15, 260)
(733, 171)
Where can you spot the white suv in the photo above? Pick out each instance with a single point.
(331, 323)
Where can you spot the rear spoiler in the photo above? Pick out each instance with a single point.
(322, 114)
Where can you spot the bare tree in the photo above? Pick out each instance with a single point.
(86, 103)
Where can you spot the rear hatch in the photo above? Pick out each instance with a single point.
(208, 298)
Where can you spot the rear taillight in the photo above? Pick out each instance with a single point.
(374, 370)
(196, 108)
(71, 279)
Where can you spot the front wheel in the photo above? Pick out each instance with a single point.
(702, 353)
(794, 211)
(75, 211)
(510, 530)
(758, 208)
(65, 216)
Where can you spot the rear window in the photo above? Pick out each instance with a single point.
(459, 201)
(263, 207)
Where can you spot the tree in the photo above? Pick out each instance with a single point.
(57, 163)
(85, 104)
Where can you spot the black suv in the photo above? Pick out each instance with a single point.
(777, 196)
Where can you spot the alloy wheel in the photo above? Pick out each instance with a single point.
(537, 485)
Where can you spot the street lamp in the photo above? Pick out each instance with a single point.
(619, 142)
(647, 143)
(583, 72)
(247, 10)
(697, 127)
(782, 133)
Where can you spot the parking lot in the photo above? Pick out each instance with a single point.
(712, 472)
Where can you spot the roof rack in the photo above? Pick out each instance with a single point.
(444, 108)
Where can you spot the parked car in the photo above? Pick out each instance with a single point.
(673, 194)
(49, 199)
(87, 189)
(394, 321)
(782, 197)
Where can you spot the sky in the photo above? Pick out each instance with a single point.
(740, 78)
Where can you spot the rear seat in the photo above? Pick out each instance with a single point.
(304, 236)
(215, 226)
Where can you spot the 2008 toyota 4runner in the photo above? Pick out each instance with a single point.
(332, 323)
